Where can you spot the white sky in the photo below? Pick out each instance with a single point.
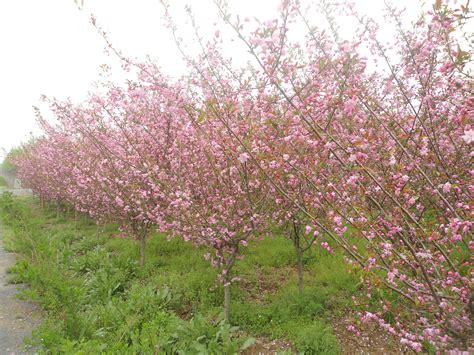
(49, 47)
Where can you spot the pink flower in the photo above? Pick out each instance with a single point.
(446, 188)
(468, 136)
(444, 67)
(243, 157)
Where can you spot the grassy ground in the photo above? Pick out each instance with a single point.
(96, 297)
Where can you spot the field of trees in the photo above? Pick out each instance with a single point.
(317, 199)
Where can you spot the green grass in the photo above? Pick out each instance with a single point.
(96, 297)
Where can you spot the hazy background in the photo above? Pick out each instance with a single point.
(50, 47)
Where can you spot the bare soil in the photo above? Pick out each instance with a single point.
(371, 341)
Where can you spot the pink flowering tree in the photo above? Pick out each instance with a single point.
(295, 164)
(397, 135)
(219, 198)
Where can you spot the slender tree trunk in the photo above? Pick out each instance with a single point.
(299, 256)
(299, 259)
(227, 285)
(142, 249)
(75, 218)
(227, 301)
(57, 210)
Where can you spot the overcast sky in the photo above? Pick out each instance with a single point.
(49, 47)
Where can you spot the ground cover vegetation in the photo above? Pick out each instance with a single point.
(358, 145)
(96, 296)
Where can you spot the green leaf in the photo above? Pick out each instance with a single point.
(201, 117)
(249, 342)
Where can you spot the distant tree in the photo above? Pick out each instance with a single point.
(7, 163)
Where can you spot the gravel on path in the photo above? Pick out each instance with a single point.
(17, 318)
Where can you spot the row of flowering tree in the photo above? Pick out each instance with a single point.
(338, 142)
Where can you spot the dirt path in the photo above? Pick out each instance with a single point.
(17, 318)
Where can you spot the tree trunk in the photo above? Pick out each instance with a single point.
(299, 258)
(57, 210)
(142, 250)
(227, 281)
(227, 301)
(75, 218)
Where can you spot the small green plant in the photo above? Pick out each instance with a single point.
(198, 336)
(317, 339)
